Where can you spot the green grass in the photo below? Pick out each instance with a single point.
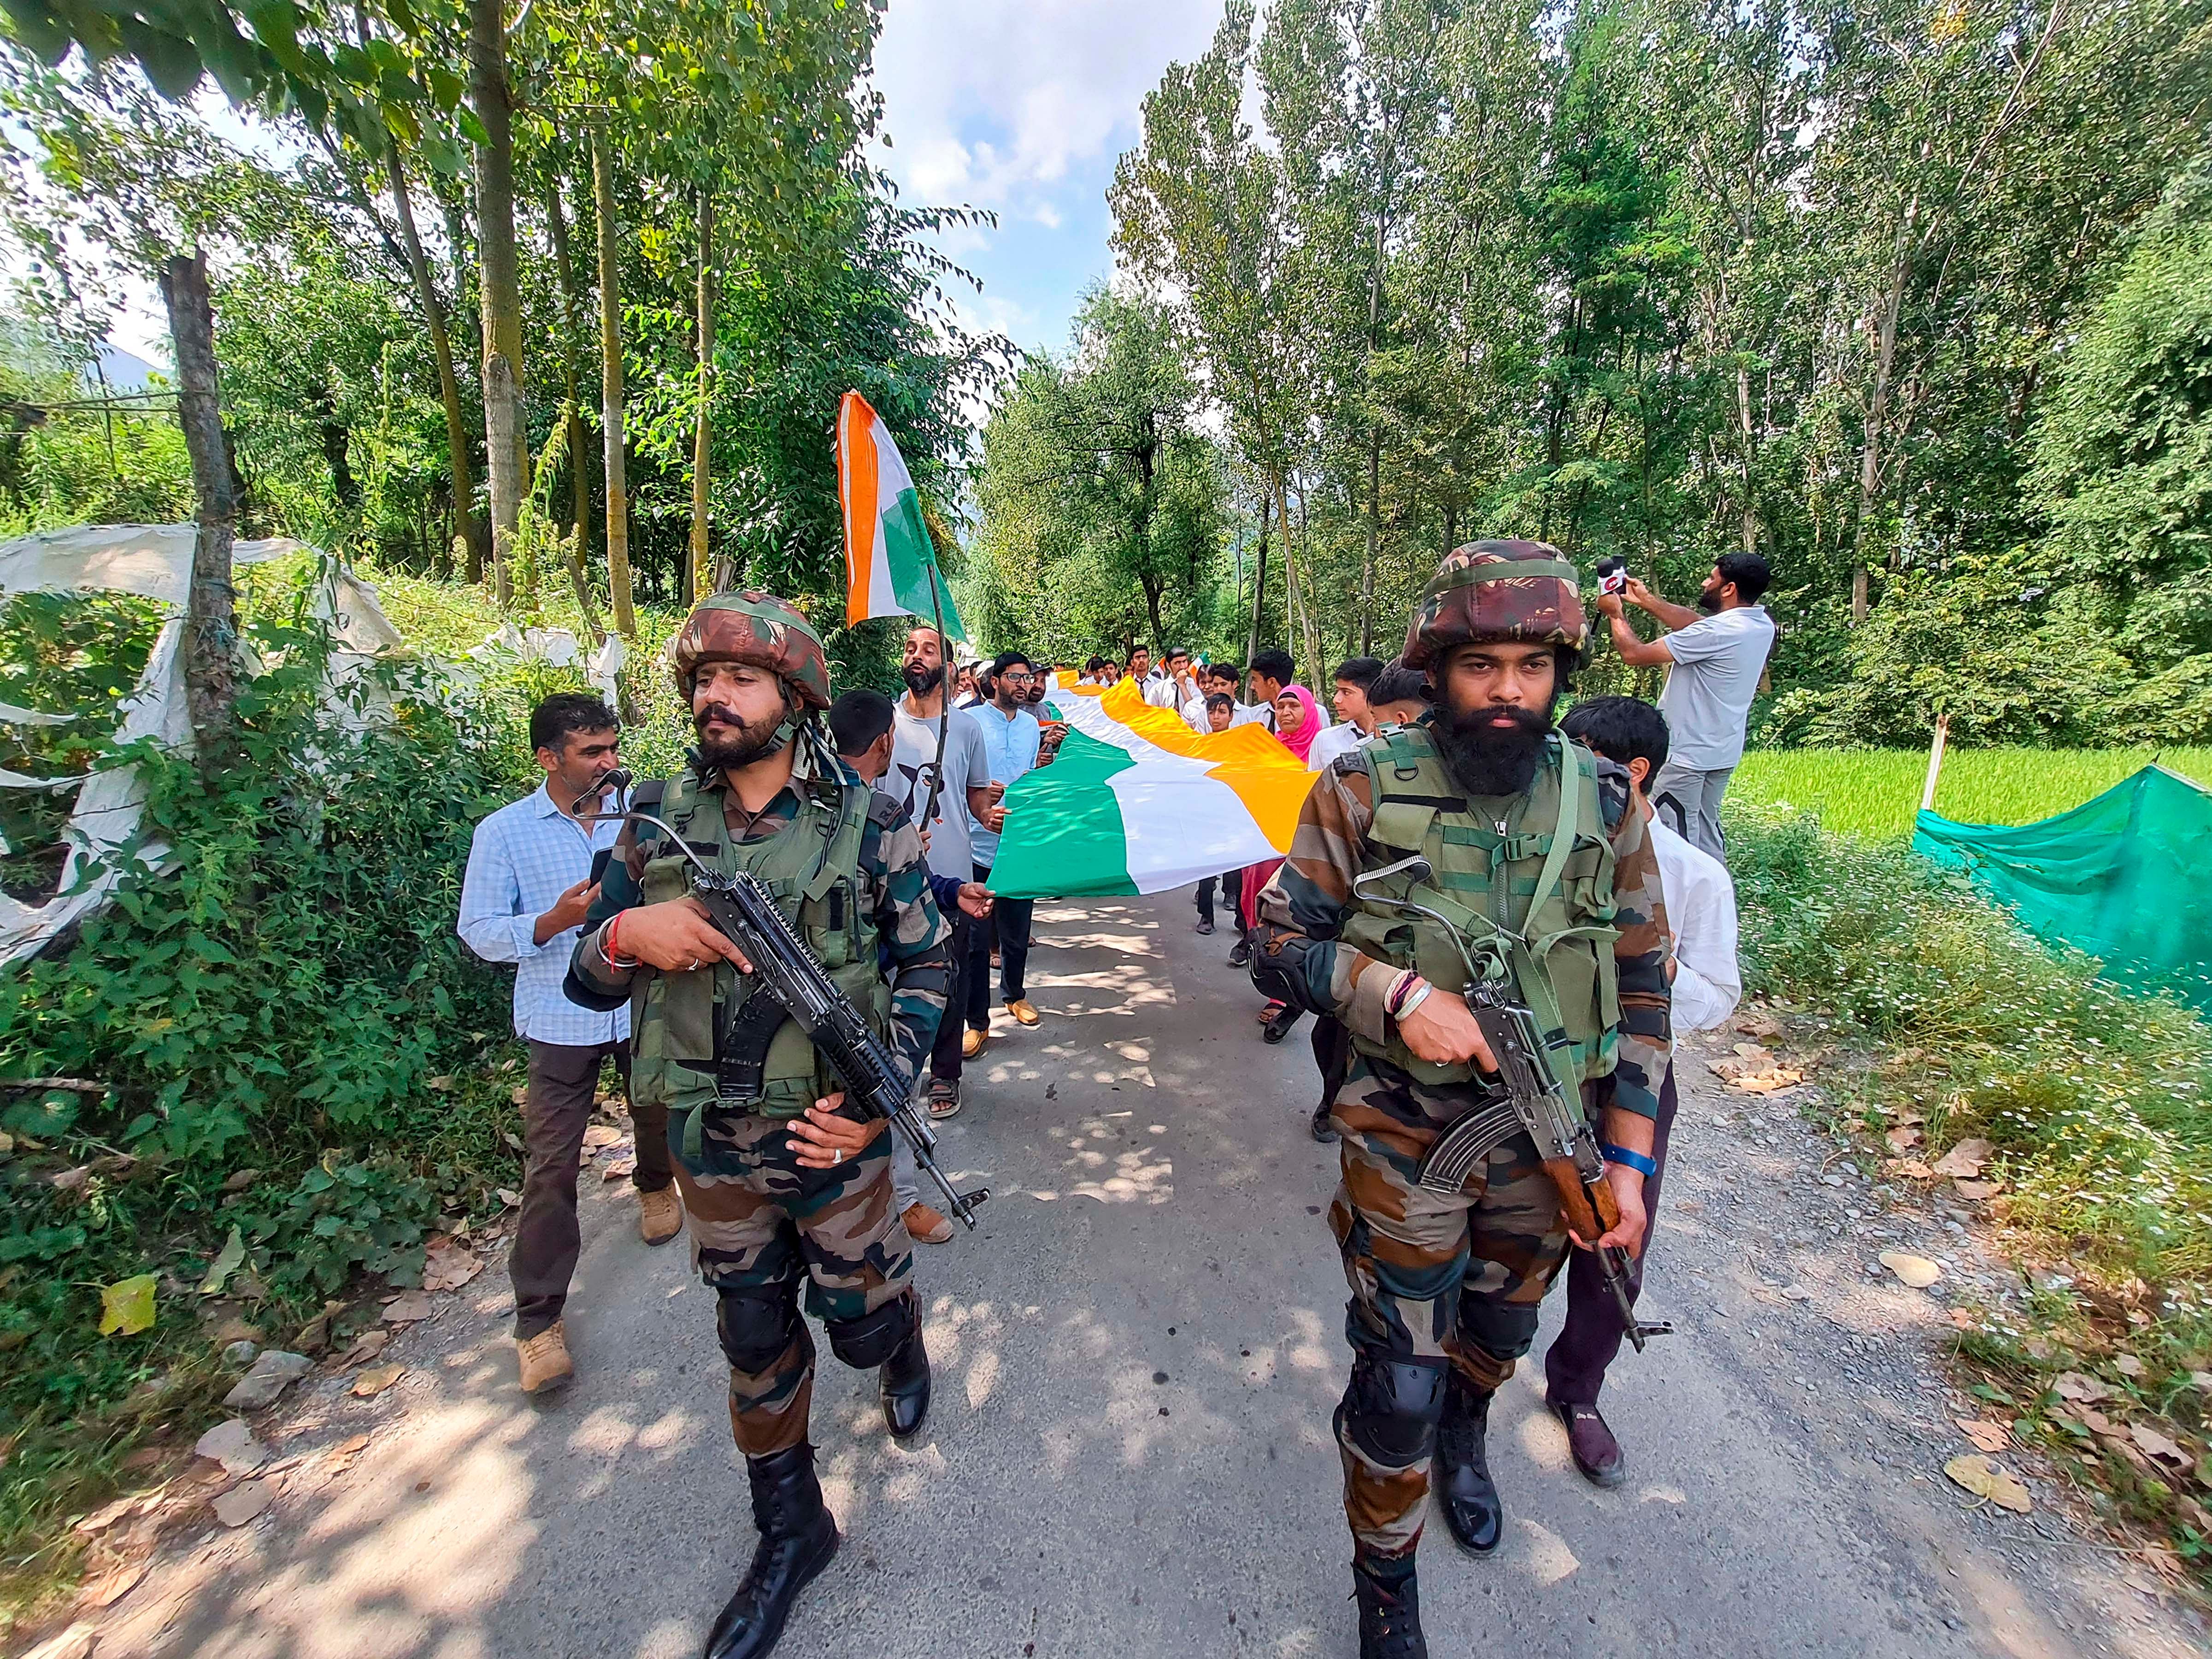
(2093, 1096)
(1876, 792)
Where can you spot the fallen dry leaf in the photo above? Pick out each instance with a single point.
(440, 1083)
(101, 1519)
(1902, 1138)
(1959, 1316)
(520, 1094)
(246, 1502)
(1977, 1191)
(621, 1169)
(369, 1345)
(448, 1269)
(114, 1584)
(2155, 1444)
(377, 1379)
(1911, 1168)
(601, 1134)
(510, 1198)
(2076, 1385)
(1917, 1271)
(342, 1455)
(1760, 1025)
(75, 1643)
(2127, 1365)
(405, 1310)
(1985, 1480)
(2095, 1421)
(1987, 1436)
(1966, 1158)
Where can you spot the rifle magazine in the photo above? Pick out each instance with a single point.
(1465, 1142)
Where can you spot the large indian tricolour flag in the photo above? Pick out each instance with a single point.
(890, 563)
(1139, 803)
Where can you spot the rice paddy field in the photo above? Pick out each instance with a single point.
(1876, 792)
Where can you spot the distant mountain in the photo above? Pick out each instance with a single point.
(123, 371)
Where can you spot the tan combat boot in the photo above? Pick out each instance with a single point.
(659, 1215)
(926, 1224)
(545, 1362)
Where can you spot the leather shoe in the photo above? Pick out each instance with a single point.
(544, 1360)
(1596, 1453)
(904, 1384)
(926, 1224)
(1323, 1130)
(797, 1540)
(1024, 1011)
(659, 1215)
(972, 1042)
(1460, 1467)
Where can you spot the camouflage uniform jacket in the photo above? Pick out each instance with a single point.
(1303, 909)
(893, 879)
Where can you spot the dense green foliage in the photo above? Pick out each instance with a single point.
(1909, 297)
(265, 1015)
(1102, 503)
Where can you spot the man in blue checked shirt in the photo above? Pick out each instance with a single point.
(528, 887)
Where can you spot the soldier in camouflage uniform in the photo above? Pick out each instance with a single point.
(780, 1185)
(1446, 1287)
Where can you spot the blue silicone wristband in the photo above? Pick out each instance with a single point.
(1636, 1161)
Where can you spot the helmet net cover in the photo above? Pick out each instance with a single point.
(756, 627)
(1494, 591)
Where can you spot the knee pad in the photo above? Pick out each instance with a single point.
(1505, 1330)
(756, 1326)
(864, 1343)
(1392, 1408)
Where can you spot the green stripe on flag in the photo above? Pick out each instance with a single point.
(1070, 843)
(913, 562)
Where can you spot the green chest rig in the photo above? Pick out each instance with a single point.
(709, 1037)
(1527, 885)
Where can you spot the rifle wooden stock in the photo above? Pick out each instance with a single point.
(1591, 1211)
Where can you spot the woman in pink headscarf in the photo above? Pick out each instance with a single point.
(1297, 723)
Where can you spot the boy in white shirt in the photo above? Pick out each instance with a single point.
(1706, 983)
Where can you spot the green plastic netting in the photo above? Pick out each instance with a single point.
(2113, 878)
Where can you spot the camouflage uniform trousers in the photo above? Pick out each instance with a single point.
(760, 1222)
(1436, 1278)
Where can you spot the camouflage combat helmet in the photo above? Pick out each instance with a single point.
(1522, 590)
(756, 627)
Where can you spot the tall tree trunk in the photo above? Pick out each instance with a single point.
(580, 469)
(506, 437)
(1878, 410)
(1748, 518)
(442, 348)
(211, 606)
(1451, 527)
(1259, 587)
(701, 433)
(1298, 616)
(611, 390)
(1374, 444)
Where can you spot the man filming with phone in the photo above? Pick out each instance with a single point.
(1716, 654)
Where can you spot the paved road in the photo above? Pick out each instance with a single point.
(1129, 1455)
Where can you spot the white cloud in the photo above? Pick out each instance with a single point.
(992, 101)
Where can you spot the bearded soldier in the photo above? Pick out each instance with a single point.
(780, 1185)
(1539, 859)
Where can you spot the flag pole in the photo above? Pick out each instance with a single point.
(944, 681)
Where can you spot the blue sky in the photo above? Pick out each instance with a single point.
(1021, 107)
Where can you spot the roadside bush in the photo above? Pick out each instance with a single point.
(256, 1023)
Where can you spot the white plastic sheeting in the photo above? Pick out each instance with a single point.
(155, 561)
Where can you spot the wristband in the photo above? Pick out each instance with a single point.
(610, 952)
(1636, 1161)
(1419, 995)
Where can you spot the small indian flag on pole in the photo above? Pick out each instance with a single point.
(890, 565)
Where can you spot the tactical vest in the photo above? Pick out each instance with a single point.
(1529, 892)
(681, 1023)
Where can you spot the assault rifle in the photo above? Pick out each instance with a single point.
(1531, 1097)
(794, 976)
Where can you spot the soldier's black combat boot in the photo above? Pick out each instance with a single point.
(1389, 1610)
(796, 1539)
(904, 1384)
(1461, 1466)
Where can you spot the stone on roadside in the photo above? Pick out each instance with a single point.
(247, 1502)
(233, 1445)
(1917, 1271)
(241, 1353)
(272, 1373)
